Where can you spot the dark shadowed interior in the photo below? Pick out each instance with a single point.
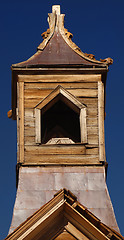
(60, 121)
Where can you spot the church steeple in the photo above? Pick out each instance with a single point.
(58, 99)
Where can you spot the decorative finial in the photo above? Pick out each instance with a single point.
(56, 9)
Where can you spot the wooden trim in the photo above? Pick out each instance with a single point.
(60, 78)
(38, 222)
(67, 159)
(60, 90)
(38, 125)
(67, 85)
(17, 117)
(60, 70)
(21, 122)
(75, 232)
(71, 101)
(56, 149)
(80, 222)
(101, 121)
(83, 127)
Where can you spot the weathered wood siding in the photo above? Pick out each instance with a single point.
(85, 88)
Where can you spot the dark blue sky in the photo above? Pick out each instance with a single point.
(98, 28)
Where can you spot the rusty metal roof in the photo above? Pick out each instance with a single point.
(55, 53)
(57, 48)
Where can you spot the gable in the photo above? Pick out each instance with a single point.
(63, 218)
(60, 93)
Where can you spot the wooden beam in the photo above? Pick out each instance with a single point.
(37, 125)
(56, 159)
(75, 232)
(80, 222)
(60, 77)
(57, 150)
(67, 85)
(83, 127)
(21, 122)
(101, 121)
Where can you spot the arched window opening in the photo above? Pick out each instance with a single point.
(60, 121)
(60, 118)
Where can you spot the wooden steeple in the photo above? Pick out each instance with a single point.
(63, 77)
(58, 100)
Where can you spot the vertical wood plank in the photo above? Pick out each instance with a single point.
(101, 121)
(17, 117)
(38, 125)
(21, 122)
(83, 127)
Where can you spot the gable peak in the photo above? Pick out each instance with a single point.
(65, 212)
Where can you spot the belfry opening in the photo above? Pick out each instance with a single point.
(60, 122)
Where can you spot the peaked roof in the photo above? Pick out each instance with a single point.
(63, 217)
(57, 47)
(60, 91)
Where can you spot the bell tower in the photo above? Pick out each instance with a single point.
(58, 100)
